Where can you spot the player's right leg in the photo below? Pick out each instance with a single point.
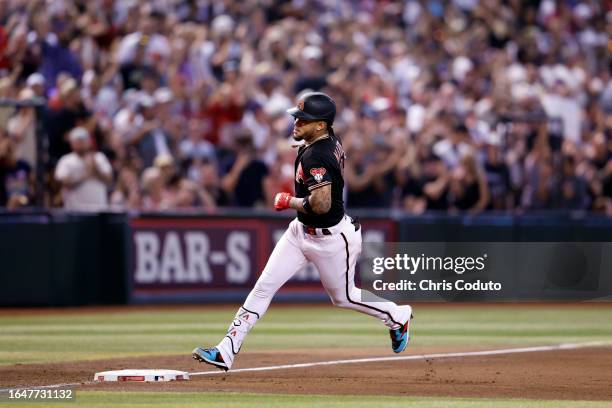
(335, 257)
(286, 259)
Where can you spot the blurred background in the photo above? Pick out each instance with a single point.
(448, 106)
(142, 142)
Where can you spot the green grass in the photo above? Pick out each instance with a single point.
(233, 400)
(88, 336)
(71, 337)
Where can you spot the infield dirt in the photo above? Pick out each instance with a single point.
(579, 374)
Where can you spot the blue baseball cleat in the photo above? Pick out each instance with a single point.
(211, 356)
(400, 337)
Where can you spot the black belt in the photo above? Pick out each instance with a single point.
(313, 230)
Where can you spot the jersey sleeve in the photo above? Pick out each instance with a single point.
(317, 172)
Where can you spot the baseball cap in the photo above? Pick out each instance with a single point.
(146, 101)
(35, 79)
(163, 95)
(78, 133)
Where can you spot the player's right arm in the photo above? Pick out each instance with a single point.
(319, 181)
(318, 202)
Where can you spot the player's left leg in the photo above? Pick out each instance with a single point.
(286, 259)
(335, 257)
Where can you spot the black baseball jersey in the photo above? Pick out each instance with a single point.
(317, 165)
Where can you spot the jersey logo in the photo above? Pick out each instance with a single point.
(299, 174)
(318, 173)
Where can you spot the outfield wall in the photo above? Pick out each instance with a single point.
(57, 258)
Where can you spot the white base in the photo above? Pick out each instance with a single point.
(141, 375)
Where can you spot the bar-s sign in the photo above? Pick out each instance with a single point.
(186, 257)
(192, 256)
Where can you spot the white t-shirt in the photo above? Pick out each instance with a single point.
(88, 195)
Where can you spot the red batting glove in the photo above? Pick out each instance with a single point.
(281, 201)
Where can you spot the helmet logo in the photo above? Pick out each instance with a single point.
(300, 105)
(318, 173)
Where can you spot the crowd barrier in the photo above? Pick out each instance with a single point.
(54, 258)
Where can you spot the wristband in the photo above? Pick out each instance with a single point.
(306, 205)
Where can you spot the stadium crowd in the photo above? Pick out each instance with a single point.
(460, 105)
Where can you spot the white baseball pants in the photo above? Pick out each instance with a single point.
(334, 256)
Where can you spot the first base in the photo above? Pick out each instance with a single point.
(141, 375)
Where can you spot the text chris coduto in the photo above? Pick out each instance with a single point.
(406, 264)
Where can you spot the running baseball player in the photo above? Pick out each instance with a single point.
(322, 233)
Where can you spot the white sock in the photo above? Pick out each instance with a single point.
(230, 345)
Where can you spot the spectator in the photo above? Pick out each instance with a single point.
(15, 177)
(468, 186)
(428, 190)
(371, 182)
(126, 194)
(22, 129)
(573, 194)
(498, 179)
(84, 174)
(245, 174)
(520, 86)
(150, 138)
(210, 185)
(155, 195)
(454, 148)
(70, 114)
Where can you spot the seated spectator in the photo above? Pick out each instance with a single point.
(126, 194)
(15, 177)
(84, 174)
(155, 196)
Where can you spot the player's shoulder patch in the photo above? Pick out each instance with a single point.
(318, 173)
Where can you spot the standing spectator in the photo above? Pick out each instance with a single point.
(431, 186)
(150, 138)
(84, 174)
(56, 53)
(245, 176)
(468, 188)
(573, 190)
(210, 185)
(71, 114)
(498, 178)
(452, 149)
(22, 129)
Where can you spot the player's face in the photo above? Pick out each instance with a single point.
(304, 129)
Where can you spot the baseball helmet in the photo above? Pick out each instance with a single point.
(315, 106)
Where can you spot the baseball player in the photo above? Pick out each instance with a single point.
(322, 233)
